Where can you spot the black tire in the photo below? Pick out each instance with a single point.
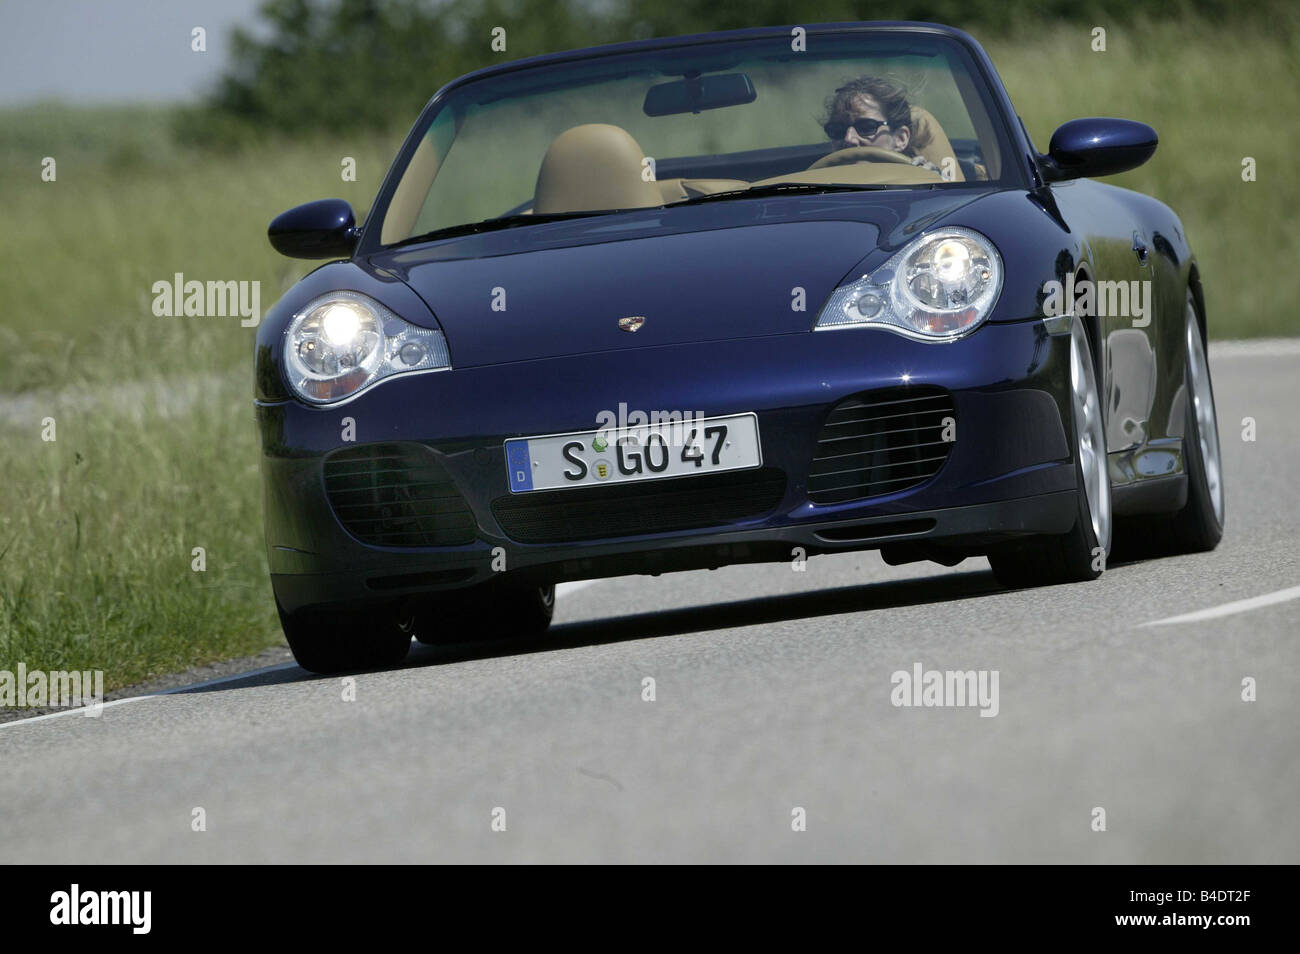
(1197, 527)
(1049, 560)
(328, 641)
(1069, 557)
(490, 611)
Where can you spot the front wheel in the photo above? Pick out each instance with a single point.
(1199, 525)
(1081, 553)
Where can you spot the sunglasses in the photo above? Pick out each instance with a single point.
(866, 128)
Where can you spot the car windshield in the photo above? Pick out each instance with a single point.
(712, 122)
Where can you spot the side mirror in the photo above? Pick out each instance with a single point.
(1098, 147)
(325, 228)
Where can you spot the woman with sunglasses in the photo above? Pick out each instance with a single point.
(869, 111)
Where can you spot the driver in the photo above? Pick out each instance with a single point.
(869, 111)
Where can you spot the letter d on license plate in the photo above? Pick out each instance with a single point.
(650, 452)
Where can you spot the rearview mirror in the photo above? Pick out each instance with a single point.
(696, 93)
(1098, 147)
(325, 228)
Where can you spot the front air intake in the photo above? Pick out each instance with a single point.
(879, 443)
(397, 495)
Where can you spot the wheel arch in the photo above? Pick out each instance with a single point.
(1198, 300)
(1092, 324)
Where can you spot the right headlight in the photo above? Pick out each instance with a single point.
(937, 288)
(343, 342)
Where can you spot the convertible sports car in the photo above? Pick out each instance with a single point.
(737, 297)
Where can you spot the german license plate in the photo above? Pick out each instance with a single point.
(620, 455)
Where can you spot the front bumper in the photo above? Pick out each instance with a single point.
(1009, 472)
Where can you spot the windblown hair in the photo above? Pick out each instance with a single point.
(891, 98)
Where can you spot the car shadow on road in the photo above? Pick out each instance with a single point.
(683, 621)
(728, 615)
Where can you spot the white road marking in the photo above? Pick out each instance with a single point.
(560, 590)
(1255, 348)
(1228, 609)
(152, 695)
(68, 712)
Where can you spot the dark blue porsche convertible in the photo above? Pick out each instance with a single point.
(737, 297)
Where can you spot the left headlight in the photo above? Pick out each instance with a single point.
(343, 342)
(937, 288)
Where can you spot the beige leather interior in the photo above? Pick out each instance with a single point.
(931, 142)
(404, 209)
(860, 173)
(592, 167)
(598, 166)
(675, 190)
(595, 166)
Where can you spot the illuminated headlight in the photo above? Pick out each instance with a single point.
(344, 341)
(937, 288)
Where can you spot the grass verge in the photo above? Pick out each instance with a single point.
(98, 531)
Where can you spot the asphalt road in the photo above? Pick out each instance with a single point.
(772, 692)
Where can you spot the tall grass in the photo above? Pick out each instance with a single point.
(129, 208)
(99, 527)
(1215, 97)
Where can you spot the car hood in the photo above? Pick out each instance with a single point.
(709, 272)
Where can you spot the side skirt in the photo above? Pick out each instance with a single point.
(1150, 495)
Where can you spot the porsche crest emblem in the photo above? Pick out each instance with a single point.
(631, 322)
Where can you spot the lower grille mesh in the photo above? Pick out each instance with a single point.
(397, 495)
(879, 443)
(625, 510)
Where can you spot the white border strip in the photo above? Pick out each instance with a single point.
(1229, 609)
(561, 589)
(68, 712)
(153, 695)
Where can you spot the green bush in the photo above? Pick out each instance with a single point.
(372, 64)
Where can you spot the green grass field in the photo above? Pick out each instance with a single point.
(97, 527)
(1215, 97)
(100, 526)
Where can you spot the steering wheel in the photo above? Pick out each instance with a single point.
(851, 154)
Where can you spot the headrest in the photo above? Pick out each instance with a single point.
(591, 167)
(931, 142)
